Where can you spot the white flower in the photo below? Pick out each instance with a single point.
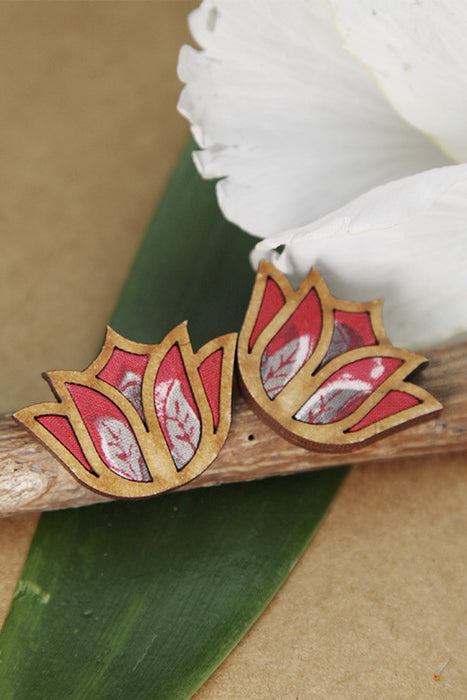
(340, 130)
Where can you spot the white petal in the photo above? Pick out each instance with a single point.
(406, 242)
(417, 52)
(293, 124)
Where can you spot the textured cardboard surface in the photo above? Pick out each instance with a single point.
(376, 605)
(89, 135)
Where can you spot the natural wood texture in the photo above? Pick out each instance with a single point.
(321, 370)
(32, 479)
(139, 420)
(373, 607)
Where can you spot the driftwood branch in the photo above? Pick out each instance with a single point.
(31, 479)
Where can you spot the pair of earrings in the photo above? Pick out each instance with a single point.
(144, 419)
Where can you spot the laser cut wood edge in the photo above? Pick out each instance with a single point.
(156, 456)
(31, 479)
(338, 435)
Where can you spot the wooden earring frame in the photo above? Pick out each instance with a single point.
(281, 410)
(148, 433)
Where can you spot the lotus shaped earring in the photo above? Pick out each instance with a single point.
(144, 419)
(141, 419)
(321, 370)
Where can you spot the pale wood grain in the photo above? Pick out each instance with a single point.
(31, 479)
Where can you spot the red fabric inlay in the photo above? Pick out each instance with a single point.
(346, 389)
(306, 320)
(272, 301)
(359, 321)
(210, 372)
(292, 345)
(172, 368)
(60, 428)
(176, 409)
(111, 433)
(352, 329)
(394, 402)
(125, 371)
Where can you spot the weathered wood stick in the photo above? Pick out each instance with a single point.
(31, 479)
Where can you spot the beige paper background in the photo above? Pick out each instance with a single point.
(88, 137)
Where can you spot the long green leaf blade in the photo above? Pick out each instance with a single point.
(144, 600)
(192, 265)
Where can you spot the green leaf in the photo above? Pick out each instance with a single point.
(192, 265)
(145, 599)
